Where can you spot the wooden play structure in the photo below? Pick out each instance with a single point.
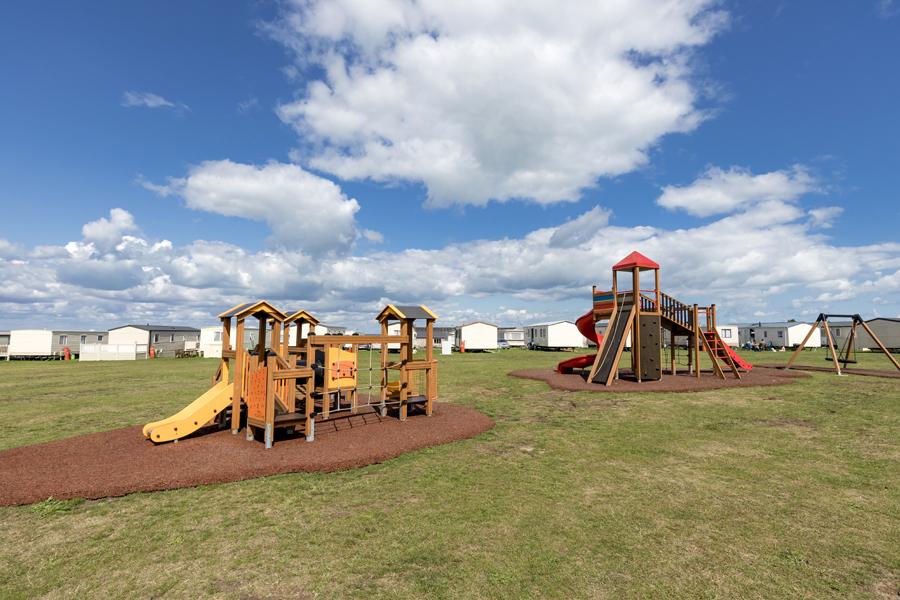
(290, 386)
(847, 354)
(649, 317)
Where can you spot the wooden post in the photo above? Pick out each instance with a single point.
(236, 393)
(696, 336)
(261, 343)
(383, 349)
(837, 366)
(850, 341)
(672, 347)
(636, 326)
(658, 306)
(226, 345)
(819, 319)
(713, 310)
(270, 401)
(430, 371)
(405, 351)
(286, 341)
(880, 345)
(276, 337)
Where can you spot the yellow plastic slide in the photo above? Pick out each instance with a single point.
(193, 416)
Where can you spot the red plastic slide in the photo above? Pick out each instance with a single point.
(740, 362)
(586, 326)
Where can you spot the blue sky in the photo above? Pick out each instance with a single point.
(490, 160)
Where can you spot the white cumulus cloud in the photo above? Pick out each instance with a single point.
(106, 233)
(719, 191)
(493, 100)
(303, 211)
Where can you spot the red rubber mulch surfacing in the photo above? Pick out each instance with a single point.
(122, 461)
(681, 382)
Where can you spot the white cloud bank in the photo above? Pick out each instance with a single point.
(494, 100)
(764, 262)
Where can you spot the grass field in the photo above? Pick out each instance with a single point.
(772, 492)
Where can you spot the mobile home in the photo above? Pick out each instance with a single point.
(555, 335)
(778, 335)
(887, 330)
(513, 336)
(439, 334)
(477, 336)
(165, 339)
(50, 343)
(729, 334)
(840, 331)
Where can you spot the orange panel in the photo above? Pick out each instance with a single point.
(256, 396)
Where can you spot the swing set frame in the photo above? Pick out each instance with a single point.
(849, 345)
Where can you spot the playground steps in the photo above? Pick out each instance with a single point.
(722, 352)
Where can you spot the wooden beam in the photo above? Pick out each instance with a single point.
(237, 390)
(837, 366)
(293, 373)
(261, 343)
(802, 345)
(696, 344)
(321, 340)
(636, 326)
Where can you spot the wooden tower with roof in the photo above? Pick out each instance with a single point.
(405, 390)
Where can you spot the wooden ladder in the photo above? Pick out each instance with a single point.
(717, 351)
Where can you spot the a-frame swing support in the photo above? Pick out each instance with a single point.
(857, 321)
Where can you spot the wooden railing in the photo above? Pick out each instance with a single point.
(676, 311)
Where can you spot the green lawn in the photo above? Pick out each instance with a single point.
(769, 492)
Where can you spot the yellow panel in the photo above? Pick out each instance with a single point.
(340, 368)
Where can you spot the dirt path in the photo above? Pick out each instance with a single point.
(122, 461)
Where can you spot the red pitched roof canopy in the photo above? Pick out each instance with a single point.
(635, 259)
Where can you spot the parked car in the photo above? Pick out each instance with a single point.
(503, 345)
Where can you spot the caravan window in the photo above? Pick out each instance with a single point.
(726, 333)
(217, 337)
(63, 340)
(837, 332)
(99, 338)
(781, 334)
(83, 339)
(172, 338)
(155, 338)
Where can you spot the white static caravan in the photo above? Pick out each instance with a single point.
(729, 334)
(840, 331)
(559, 334)
(394, 329)
(476, 336)
(98, 352)
(211, 340)
(165, 339)
(319, 329)
(887, 330)
(47, 343)
(513, 336)
(778, 335)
